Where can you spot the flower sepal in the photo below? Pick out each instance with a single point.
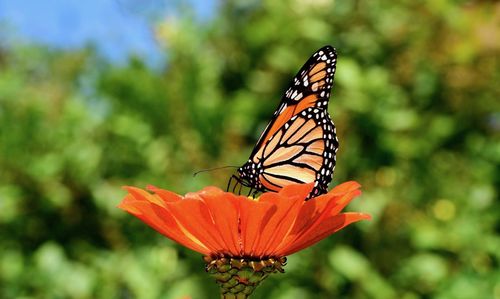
(238, 277)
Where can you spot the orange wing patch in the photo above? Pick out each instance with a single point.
(318, 67)
(317, 133)
(309, 125)
(293, 128)
(281, 119)
(307, 102)
(317, 147)
(311, 160)
(266, 181)
(304, 175)
(283, 154)
(318, 76)
(273, 143)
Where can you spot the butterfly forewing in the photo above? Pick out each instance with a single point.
(309, 88)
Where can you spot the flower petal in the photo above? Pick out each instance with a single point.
(194, 216)
(314, 211)
(127, 205)
(253, 216)
(344, 188)
(165, 195)
(223, 209)
(162, 222)
(143, 195)
(328, 227)
(281, 222)
(296, 190)
(218, 223)
(210, 190)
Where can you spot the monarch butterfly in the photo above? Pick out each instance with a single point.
(299, 144)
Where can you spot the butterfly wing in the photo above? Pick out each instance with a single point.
(309, 88)
(299, 143)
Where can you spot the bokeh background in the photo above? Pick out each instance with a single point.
(99, 94)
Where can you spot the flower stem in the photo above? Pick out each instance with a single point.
(238, 277)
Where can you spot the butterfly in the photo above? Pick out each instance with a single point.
(299, 144)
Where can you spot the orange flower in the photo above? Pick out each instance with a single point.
(221, 224)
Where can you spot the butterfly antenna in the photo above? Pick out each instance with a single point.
(215, 168)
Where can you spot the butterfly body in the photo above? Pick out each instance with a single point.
(299, 143)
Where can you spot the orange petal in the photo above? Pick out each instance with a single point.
(296, 190)
(312, 214)
(164, 223)
(222, 207)
(140, 194)
(281, 222)
(309, 212)
(214, 191)
(253, 217)
(327, 227)
(334, 206)
(344, 188)
(340, 202)
(127, 205)
(194, 216)
(165, 195)
(209, 190)
(214, 222)
(337, 193)
(137, 193)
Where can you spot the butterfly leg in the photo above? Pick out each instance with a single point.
(229, 183)
(239, 190)
(237, 182)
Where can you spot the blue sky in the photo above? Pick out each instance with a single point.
(117, 27)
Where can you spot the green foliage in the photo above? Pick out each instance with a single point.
(417, 111)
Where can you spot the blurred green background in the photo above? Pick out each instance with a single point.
(417, 109)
